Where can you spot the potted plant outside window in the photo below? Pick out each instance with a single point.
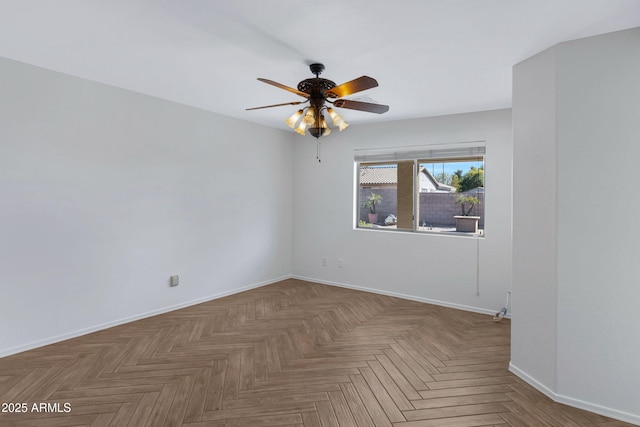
(372, 201)
(466, 223)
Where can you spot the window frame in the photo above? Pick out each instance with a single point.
(469, 151)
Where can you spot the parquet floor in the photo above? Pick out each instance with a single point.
(289, 354)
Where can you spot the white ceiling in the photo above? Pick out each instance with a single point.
(430, 57)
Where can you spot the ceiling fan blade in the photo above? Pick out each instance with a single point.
(281, 86)
(357, 85)
(277, 105)
(362, 106)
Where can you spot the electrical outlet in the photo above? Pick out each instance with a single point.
(175, 280)
(324, 262)
(340, 263)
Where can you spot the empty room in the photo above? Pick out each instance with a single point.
(357, 213)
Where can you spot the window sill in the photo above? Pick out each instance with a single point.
(438, 231)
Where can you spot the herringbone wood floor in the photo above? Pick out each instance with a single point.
(293, 354)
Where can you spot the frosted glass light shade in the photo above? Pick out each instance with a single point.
(310, 117)
(291, 121)
(337, 119)
(323, 124)
(342, 125)
(301, 127)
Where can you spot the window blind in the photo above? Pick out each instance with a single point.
(469, 151)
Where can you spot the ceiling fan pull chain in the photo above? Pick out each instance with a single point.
(318, 150)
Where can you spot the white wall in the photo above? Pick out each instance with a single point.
(596, 138)
(598, 267)
(106, 193)
(420, 266)
(535, 300)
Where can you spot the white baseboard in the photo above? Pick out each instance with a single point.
(532, 381)
(95, 328)
(576, 403)
(403, 296)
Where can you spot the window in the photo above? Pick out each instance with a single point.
(431, 190)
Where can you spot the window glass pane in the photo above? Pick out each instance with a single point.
(450, 189)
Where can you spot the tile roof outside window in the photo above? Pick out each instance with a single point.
(378, 175)
(388, 174)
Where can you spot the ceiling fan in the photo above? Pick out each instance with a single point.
(318, 92)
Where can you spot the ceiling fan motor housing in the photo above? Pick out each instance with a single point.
(315, 86)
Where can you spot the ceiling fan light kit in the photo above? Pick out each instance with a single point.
(318, 92)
